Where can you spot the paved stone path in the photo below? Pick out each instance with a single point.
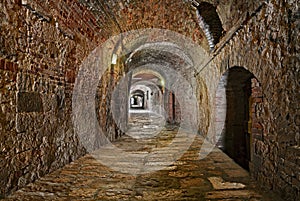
(216, 177)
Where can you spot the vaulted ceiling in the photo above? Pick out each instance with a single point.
(101, 19)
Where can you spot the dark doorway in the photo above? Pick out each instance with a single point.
(235, 139)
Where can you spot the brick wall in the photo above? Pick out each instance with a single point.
(266, 45)
(43, 45)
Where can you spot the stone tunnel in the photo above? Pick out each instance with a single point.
(149, 100)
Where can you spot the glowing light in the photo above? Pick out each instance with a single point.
(114, 59)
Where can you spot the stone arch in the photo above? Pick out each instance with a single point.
(137, 99)
(154, 96)
(210, 22)
(238, 127)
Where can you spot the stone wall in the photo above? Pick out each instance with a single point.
(43, 44)
(39, 57)
(112, 100)
(256, 126)
(267, 45)
(8, 75)
(36, 132)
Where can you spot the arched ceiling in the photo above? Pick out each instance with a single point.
(98, 20)
(146, 76)
(149, 78)
(123, 15)
(157, 57)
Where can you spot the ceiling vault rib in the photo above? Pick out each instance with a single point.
(114, 19)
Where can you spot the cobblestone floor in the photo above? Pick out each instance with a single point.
(216, 177)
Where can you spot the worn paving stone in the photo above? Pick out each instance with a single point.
(219, 184)
(216, 177)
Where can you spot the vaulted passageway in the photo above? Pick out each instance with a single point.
(149, 100)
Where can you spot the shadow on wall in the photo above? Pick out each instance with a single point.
(236, 96)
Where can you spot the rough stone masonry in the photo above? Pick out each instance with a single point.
(43, 43)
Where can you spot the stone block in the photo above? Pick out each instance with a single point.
(28, 122)
(29, 102)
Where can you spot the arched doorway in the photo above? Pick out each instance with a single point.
(137, 99)
(237, 93)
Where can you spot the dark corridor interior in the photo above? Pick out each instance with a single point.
(237, 132)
